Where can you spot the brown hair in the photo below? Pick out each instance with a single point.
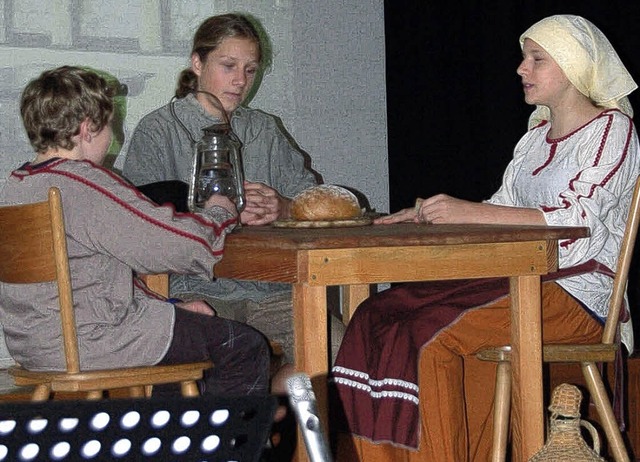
(54, 105)
(209, 36)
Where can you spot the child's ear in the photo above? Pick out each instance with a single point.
(85, 130)
(196, 64)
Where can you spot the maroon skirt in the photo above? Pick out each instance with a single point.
(376, 370)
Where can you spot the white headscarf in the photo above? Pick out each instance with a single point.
(588, 60)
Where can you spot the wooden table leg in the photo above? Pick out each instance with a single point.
(310, 328)
(352, 296)
(526, 362)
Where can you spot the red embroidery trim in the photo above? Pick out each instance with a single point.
(217, 229)
(565, 203)
(552, 153)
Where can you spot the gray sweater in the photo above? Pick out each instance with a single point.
(112, 231)
(161, 149)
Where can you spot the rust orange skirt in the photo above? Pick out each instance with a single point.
(456, 389)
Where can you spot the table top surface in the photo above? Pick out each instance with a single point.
(400, 234)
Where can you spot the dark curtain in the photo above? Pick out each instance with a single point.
(455, 104)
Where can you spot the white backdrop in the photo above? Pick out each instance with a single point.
(326, 83)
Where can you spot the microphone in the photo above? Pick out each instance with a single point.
(303, 402)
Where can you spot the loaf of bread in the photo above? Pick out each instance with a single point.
(325, 203)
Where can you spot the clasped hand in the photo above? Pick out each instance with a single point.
(436, 209)
(263, 204)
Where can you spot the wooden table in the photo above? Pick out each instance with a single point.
(312, 259)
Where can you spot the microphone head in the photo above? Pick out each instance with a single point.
(300, 389)
(303, 403)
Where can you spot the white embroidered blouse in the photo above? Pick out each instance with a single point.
(583, 179)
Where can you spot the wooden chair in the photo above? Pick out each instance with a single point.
(587, 355)
(33, 249)
(159, 283)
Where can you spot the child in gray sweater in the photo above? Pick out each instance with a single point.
(114, 233)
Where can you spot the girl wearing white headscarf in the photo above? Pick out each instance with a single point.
(428, 397)
(587, 59)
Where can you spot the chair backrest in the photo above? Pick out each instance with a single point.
(33, 248)
(622, 271)
(203, 428)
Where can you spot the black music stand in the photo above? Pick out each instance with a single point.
(189, 429)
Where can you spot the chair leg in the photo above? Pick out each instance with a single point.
(94, 395)
(41, 392)
(603, 405)
(501, 411)
(137, 392)
(189, 388)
